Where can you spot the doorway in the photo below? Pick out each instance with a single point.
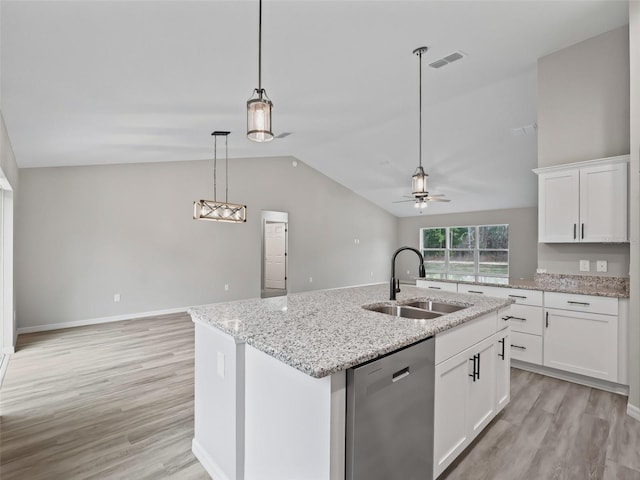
(275, 227)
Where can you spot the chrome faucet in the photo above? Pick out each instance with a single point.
(393, 288)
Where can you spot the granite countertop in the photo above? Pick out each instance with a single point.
(327, 331)
(617, 287)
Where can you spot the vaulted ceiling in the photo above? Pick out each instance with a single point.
(97, 82)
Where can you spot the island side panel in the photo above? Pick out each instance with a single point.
(219, 403)
(292, 422)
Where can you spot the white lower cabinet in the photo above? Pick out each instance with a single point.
(435, 285)
(583, 343)
(471, 386)
(503, 369)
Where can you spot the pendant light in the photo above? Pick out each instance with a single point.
(259, 106)
(419, 179)
(212, 209)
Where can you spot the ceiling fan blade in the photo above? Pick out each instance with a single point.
(403, 201)
(436, 195)
(431, 199)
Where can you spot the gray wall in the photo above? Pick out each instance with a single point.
(583, 114)
(523, 235)
(634, 321)
(86, 233)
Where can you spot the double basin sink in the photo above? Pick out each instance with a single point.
(419, 309)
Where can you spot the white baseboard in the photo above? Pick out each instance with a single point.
(10, 350)
(633, 412)
(4, 363)
(572, 377)
(95, 321)
(207, 462)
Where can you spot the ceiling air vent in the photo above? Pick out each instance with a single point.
(441, 62)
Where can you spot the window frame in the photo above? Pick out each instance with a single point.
(476, 251)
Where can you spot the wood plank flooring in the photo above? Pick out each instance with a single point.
(110, 401)
(553, 430)
(115, 401)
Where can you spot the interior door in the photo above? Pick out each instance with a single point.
(275, 247)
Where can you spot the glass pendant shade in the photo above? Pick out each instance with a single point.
(259, 118)
(419, 182)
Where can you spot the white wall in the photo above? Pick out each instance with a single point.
(523, 235)
(583, 114)
(86, 233)
(634, 318)
(8, 189)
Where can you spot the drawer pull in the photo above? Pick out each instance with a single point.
(516, 296)
(502, 342)
(474, 291)
(519, 318)
(584, 304)
(435, 288)
(520, 347)
(507, 318)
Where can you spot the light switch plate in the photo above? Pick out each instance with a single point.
(584, 265)
(601, 266)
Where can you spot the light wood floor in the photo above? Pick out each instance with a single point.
(115, 401)
(110, 401)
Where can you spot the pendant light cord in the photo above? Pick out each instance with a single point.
(260, 49)
(215, 163)
(226, 169)
(420, 108)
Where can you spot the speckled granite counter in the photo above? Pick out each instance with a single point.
(616, 287)
(327, 331)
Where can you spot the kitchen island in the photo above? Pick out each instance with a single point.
(270, 374)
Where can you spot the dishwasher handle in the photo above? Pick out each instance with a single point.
(400, 374)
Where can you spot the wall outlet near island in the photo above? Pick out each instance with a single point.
(585, 265)
(601, 266)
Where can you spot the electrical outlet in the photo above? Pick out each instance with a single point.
(371, 274)
(310, 279)
(116, 297)
(585, 265)
(226, 287)
(408, 272)
(220, 365)
(601, 266)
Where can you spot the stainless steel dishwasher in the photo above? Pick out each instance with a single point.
(390, 416)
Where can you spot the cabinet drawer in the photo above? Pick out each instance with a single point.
(456, 339)
(525, 297)
(523, 318)
(581, 303)
(433, 285)
(526, 347)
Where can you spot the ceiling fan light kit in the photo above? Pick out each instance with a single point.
(259, 106)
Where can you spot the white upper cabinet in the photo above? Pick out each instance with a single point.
(584, 202)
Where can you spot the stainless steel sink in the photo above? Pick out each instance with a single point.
(405, 312)
(436, 306)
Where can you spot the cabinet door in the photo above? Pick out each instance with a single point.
(558, 206)
(584, 343)
(603, 203)
(481, 400)
(503, 370)
(450, 420)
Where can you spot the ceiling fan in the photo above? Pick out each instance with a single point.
(419, 192)
(421, 200)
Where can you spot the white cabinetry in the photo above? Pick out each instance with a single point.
(435, 285)
(581, 335)
(471, 385)
(584, 202)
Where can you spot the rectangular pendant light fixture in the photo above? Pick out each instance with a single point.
(213, 209)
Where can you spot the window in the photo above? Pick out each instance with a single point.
(461, 252)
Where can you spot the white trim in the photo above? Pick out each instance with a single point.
(207, 462)
(4, 363)
(95, 321)
(10, 350)
(633, 412)
(587, 163)
(572, 377)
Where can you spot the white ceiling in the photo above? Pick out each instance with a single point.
(96, 82)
